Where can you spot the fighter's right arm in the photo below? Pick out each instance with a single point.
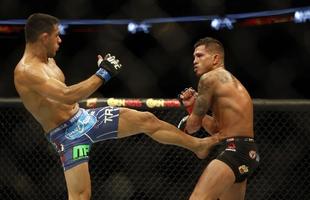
(202, 103)
(39, 82)
(209, 124)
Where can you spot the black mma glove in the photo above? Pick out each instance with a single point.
(108, 67)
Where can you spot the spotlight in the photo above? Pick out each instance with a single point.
(301, 16)
(134, 27)
(62, 28)
(218, 23)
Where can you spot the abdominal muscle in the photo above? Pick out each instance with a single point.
(49, 113)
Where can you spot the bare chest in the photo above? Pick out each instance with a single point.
(53, 71)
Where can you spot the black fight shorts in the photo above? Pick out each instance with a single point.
(240, 154)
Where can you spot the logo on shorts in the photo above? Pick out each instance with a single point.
(82, 126)
(231, 146)
(243, 169)
(108, 115)
(58, 147)
(252, 154)
(80, 151)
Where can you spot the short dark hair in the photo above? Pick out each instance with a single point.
(212, 44)
(37, 24)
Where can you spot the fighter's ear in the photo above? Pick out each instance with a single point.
(43, 37)
(216, 58)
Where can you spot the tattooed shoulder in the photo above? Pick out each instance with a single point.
(223, 76)
(206, 78)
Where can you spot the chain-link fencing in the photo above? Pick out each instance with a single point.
(138, 168)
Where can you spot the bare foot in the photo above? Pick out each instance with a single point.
(205, 145)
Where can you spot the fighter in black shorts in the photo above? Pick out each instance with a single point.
(231, 108)
(240, 154)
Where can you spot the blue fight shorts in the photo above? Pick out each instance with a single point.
(73, 139)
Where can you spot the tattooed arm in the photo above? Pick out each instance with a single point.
(202, 103)
(222, 78)
(210, 125)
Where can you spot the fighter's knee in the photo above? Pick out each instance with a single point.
(84, 194)
(149, 117)
(150, 121)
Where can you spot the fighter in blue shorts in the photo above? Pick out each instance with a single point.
(41, 86)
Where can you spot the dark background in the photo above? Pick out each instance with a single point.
(272, 60)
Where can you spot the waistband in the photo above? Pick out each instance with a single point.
(66, 124)
(238, 139)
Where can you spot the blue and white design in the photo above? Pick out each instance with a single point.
(108, 118)
(82, 126)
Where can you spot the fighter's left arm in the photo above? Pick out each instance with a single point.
(202, 103)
